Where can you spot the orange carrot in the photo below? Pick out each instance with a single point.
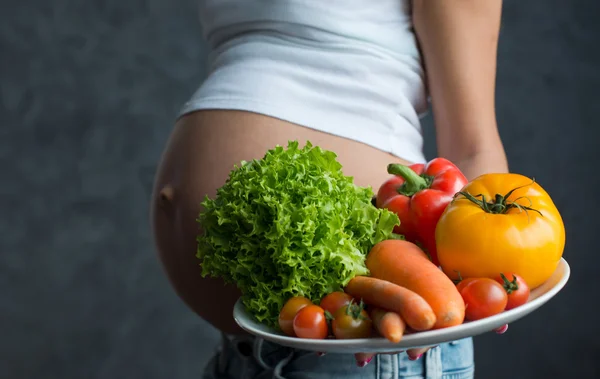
(381, 293)
(389, 324)
(405, 264)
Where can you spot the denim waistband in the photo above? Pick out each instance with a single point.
(248, 357)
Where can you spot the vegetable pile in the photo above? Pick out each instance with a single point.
(289, 224)
(314, 258)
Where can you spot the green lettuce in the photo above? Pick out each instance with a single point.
(289, 224)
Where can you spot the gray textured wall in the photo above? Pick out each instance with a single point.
(88, 94)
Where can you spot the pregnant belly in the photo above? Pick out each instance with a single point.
(203, 148)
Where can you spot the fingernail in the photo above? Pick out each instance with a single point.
(364, 363)
(320, 353)
(414, 358)
(502, 330)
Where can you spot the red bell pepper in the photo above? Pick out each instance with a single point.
(419, 194)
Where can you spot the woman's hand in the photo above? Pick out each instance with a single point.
(363, 359)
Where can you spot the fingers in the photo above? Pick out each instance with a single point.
(414, 354)
(363, 359)
(502, 329)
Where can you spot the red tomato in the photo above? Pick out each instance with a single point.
(516, 289)
(289, 311)
(484, 297)
(351, 321)
(310, 322)
(334, 301)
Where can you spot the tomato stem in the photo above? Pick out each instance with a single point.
(328, 316)
(509, 286)
(500, 204)
(354, 310)
(413, 182)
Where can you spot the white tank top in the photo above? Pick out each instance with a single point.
(346, 67)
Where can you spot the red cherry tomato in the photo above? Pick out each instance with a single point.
(351, 321)
(289, 311)
(310, 322)
(484, 297)
(334, 301)
(516, 289)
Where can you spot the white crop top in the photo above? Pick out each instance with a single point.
(345, 67)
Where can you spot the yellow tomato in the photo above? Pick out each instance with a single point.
(501, 223)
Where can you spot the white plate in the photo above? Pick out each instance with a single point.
(538, 297)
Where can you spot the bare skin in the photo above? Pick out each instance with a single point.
(458, 41)
(202, 150)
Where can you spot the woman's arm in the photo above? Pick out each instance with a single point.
(459, 40)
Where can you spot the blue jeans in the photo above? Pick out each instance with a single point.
(254, 358)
